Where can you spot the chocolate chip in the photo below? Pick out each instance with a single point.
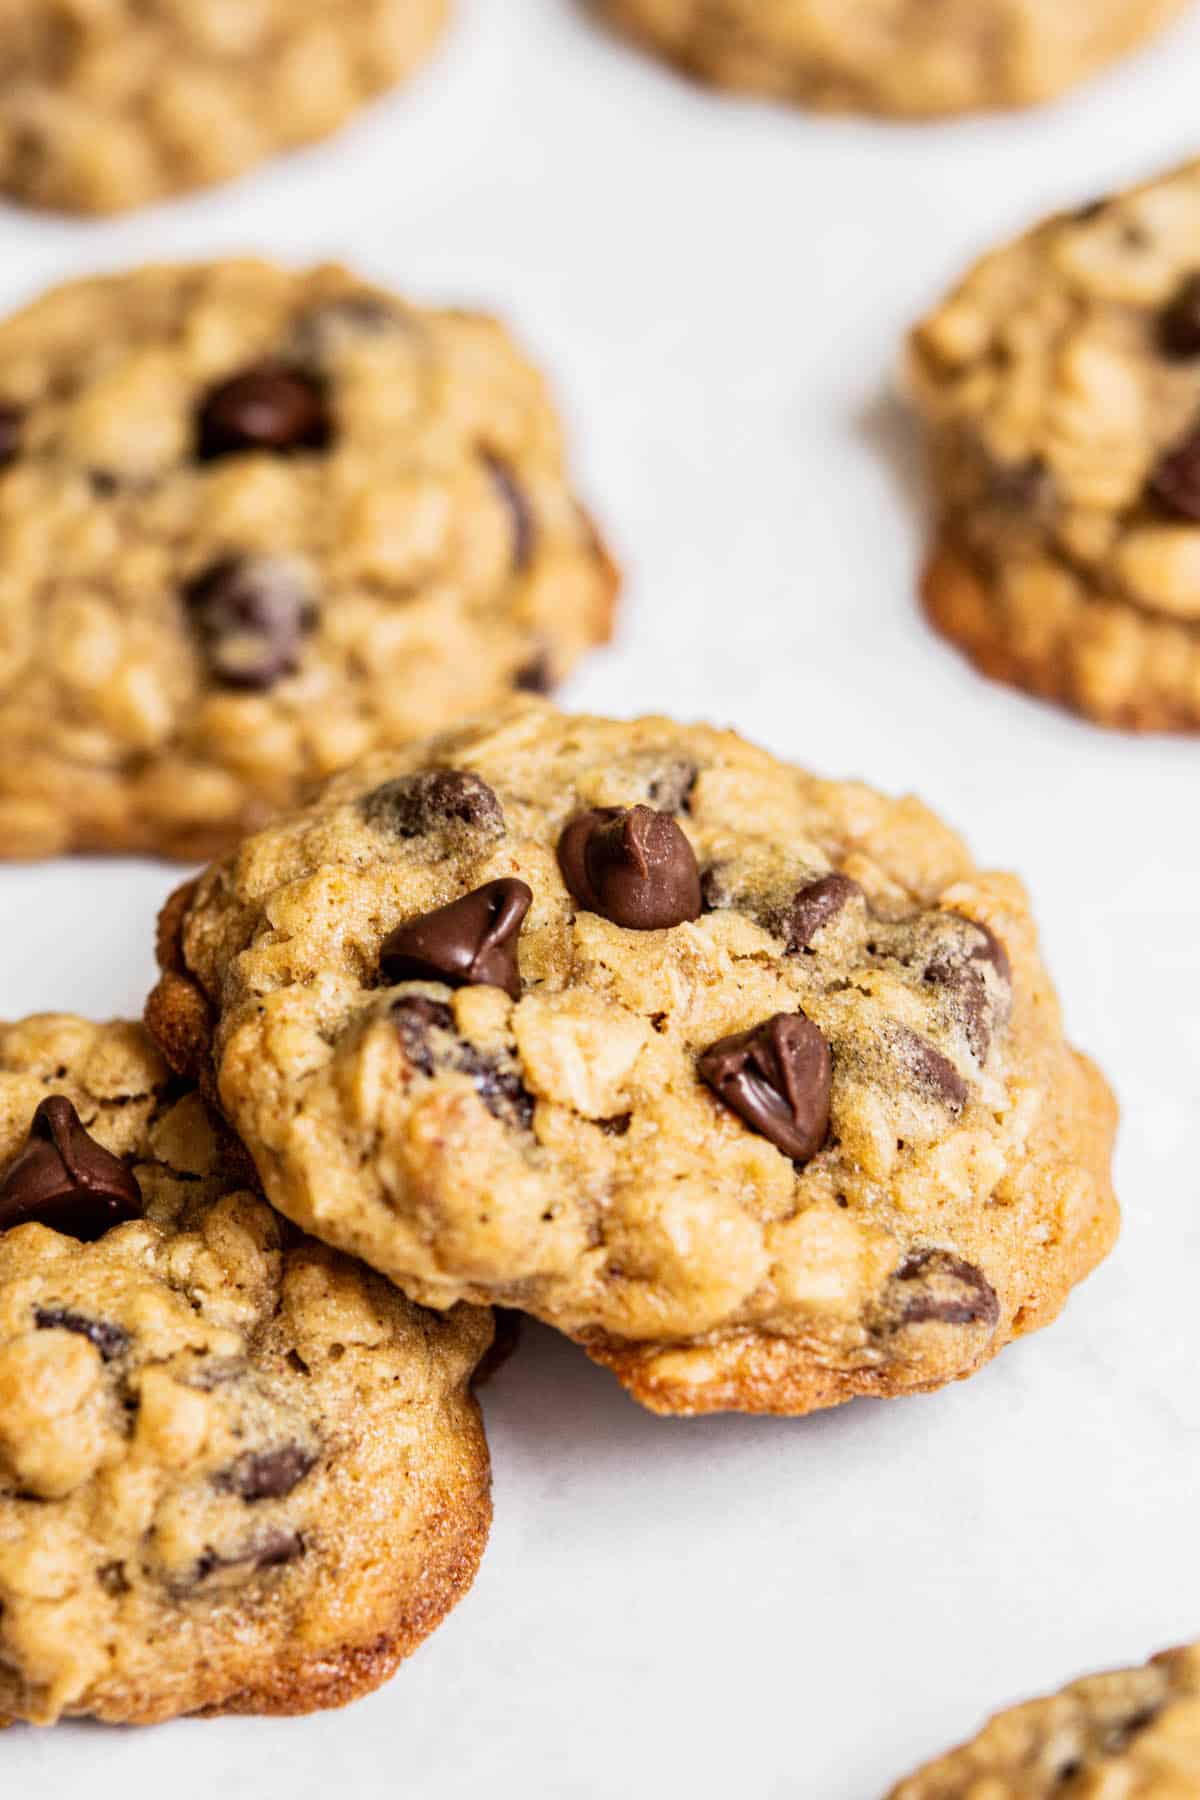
(617, 1126)
(1175, 480)
(536, 676)
(472, 942)
(11, 421)
(524, 527)
(672, 786)
(270, 1550)
(777, 1078)
(938, 1285)
(930, 1070)
(958, 971)
(413, 805)
(420, 1022)
(267, 407)
(321, 328)
(634, 867)
(266, 1474)
(110, 1340)
(1025, 487)
(499, 1087)
(64, 1179)
(814, 905)
(251, 614)
(1179, 321)
(414, 1018)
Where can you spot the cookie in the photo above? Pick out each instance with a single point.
(1060, 383)
(238, 1472)
(254, 524)
(1132, 1735)
(118, 102)
(889, 57)
(749, 1081)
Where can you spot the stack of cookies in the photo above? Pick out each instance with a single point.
(748, 1081)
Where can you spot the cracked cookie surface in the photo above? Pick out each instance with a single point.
(253, 524)
(896, 57)
(1060, 382)
(751, 1082)
(1130, 1735)
(238, 1472)
(108, 104)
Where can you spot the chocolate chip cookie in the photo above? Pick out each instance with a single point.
(1132, 1735)
(238, 1472)
(749, 1081)
(253, 524)
(1061, 386)
(897, 57)
(114, 103)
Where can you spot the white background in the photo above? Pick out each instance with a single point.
(746, 1607)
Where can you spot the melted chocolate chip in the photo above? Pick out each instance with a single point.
(1179, 321)
(634, 867)
(1175, 480)
(11, 421)
(413, 805)
(536, 676)
(672, 786)
(321, 328)
(269, 1551)
(962, 978)
(932, 1071)
(415, 1018)
(267, 407)
(524, 528)
(266, 1474)
(65, 1180)
(814, 905)
(251, 614)
(420, 1024)
(777, 1078)
(938, 1285)
(472, 942)
(110, 1340)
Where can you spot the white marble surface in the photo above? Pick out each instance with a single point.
(758, 1608)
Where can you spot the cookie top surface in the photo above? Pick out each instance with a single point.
(545, 1095)
(237, 1470)
(254, 523)
(115, 103)
(1061, 381)
(891, 56)
(1131, 1735)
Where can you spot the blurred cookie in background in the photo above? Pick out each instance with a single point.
(108, 104)
(895, 57)
(254, 523)
(1060, 384)
(1131, 1735)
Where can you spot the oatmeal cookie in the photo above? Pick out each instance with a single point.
(238, 1472)
(108, 104)
(1132, 1735)
(1061, 386)
(254, 523)
(751, 1082)
(905, 58)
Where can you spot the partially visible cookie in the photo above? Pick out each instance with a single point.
(893, 56)
(253, 524)
(114, 103)
(238, 1472)
(1060, 382)
(751, 1082)
(1132, 1735)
